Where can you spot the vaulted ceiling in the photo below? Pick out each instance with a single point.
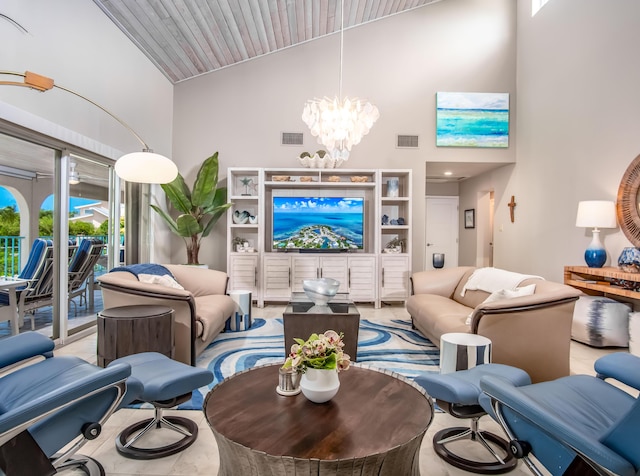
(187, 38)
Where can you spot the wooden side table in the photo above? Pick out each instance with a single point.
(130, 330)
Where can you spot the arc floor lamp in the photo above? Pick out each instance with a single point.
(142, 167)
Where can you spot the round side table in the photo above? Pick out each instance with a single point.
(130, 330)
(461, 351)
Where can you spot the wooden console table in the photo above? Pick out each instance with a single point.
(597, 281)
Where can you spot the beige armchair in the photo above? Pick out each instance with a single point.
(529, 332)
(201, 308)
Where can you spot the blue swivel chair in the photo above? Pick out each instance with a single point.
(575, 425)
(50, 403)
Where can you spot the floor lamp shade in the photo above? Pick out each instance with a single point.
(146, 167)
(596, 214)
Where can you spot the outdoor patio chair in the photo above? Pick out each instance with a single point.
(81, 267)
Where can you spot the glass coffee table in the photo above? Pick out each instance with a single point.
(302, 318)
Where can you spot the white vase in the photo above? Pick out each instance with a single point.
(319, 385)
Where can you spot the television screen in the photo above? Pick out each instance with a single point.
(330, 223)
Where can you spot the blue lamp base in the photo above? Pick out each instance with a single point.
(595, 255)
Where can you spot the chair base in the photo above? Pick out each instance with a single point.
(503, 464)
(88, 466)
(128, 436)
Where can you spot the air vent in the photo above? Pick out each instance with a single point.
(292, 138)
(404, 141)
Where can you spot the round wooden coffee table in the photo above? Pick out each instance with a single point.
(374, 425)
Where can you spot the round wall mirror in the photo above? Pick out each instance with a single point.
(628, 205)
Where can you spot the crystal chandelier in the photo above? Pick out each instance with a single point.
(339, 123)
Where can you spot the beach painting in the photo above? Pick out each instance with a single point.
(472, 119)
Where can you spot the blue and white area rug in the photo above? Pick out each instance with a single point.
(387, 344)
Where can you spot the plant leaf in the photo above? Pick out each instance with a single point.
(204, 188)
(188, 225)
(178, 194)
(170, 221)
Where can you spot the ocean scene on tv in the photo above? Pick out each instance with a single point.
(472, 119)
(318, 223)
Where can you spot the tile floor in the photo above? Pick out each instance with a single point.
(202, 457)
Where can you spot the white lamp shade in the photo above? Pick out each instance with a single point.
(596, 214)
(146, 167)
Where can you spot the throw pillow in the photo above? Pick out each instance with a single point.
(634, 333)
(163, 280)
(507, 294)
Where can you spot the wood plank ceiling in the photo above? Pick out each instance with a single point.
(187, 38)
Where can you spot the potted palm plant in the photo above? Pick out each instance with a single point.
(199, 209)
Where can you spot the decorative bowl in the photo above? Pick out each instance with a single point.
(317, 162)
(320, 291)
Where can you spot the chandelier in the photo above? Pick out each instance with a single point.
(339, 123)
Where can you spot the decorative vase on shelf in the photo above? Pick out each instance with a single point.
(320, 385)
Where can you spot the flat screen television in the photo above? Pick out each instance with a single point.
(324, 223)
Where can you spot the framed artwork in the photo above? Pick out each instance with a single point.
(470, 218)
(472, 119)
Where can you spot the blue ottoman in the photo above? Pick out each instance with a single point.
(458, 393)
(164, 383)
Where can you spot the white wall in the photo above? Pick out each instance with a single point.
(578, 121)
(398, 63)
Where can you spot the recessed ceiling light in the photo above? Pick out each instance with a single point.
(447, 173)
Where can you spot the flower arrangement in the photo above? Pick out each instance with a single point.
(322, 351)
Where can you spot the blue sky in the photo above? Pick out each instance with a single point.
(7, 200)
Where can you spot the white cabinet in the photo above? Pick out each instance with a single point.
(243, 273)
(362, 278)
(378, 268)
(394, 278)
(277, 278)
(312, 267)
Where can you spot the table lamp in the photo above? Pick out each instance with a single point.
(596, 214)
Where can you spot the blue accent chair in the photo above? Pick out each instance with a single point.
(575, 425)
(49, 403)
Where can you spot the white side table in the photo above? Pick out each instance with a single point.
(10, 312)
(241, 319)
(461, 351)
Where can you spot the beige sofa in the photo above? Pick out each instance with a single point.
(201, 308)
(529, 332)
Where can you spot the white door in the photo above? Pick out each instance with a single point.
(441, 234)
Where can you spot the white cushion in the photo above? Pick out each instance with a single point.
(507, 294)
(601, 322)
(163, 280)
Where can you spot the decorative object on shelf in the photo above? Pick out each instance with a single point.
(385, 219)
(333, 178)
(401, 221)
(470, 218)
(241, 217)
(281, 178)
(596, 214)
(319, 160)
(320, 291)
(397, 245)
(247, 182)
(359, 178)
(141, 167)
(472, 119)
(393, 187)
(394, 222)
(629, 260)
(306, 179)
(339, 123)
(437, 259)
(239, 243)
(200, 208)
(319, 359)
(288, 382)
